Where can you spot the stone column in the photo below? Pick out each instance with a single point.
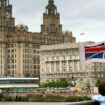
(73, 66)
(55, 67)
(78, 65)
(60, 66)
(50, 67)
(67, 66)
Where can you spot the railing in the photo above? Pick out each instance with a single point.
(84, 103)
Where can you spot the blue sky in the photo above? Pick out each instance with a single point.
(78, 16)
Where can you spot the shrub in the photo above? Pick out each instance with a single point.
(77, 98)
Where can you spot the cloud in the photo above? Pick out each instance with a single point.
(76, 15)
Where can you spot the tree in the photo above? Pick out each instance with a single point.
(56, 84)
(98, 82)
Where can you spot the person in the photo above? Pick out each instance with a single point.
(88, 89)
(101, 97)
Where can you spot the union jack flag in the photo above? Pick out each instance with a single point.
(95, 51)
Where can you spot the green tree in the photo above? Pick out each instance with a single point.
(97, 82)
(56, 84)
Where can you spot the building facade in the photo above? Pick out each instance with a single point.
(65, 62)
(95, 70)
(18, 46)
(60, 62)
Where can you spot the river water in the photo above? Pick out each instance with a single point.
(32, 103)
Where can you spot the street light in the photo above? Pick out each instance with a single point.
(73, 80)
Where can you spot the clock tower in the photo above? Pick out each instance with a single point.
(51, 20)
(6, 20)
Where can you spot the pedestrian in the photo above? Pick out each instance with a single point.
(100, 98)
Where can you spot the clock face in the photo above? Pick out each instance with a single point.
(8, 14)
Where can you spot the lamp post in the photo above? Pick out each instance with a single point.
(73, 80)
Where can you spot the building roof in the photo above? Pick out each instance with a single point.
(59, 46)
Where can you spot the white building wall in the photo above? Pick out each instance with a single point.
(66, 61)
(62, 62)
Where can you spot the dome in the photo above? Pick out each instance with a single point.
(51, 5)
(22, 26)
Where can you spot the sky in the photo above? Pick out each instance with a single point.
(78, 16)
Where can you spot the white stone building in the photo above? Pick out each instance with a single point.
(18, 55)
(65, 62)
(60, 62)
(95, 70)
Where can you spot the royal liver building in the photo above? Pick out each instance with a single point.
(18, 47)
